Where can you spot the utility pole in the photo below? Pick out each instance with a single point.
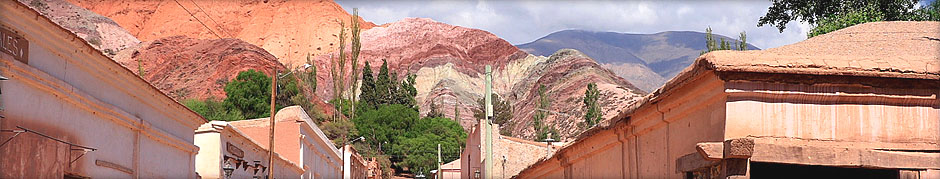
(271, 135)
(488, 168)
(440, 172)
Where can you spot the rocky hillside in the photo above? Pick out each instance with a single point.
(287, 29)
(449, 61)
(647, 60)
(188, 68)
(99, 31)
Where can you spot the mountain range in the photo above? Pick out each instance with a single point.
(646, 60)
(447, 59)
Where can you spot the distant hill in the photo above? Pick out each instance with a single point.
(645, 60)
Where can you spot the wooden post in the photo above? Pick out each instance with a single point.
(271, 135)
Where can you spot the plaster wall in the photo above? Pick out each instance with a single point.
(223, 135)
(518, 154)
(471, 157)
(354, 165)
(803, 111)
(208, 160)
(648, 144)
(319, 159)
(299, 140)
(69, 91)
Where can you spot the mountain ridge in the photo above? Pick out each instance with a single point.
(639, 58)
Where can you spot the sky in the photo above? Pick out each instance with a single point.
(521, 22)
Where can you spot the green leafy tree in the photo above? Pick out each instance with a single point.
(385, 123)
(213, 110)
(592, 111)
(831, 15)
(250, 93)
(840, 21)
(812, 12)
(502, 113)
(419, 144)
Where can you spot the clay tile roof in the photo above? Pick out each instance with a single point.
(877, 49)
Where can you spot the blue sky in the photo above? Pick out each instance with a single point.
(525, 21)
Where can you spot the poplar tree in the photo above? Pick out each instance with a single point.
(354, 60)
(592, 113)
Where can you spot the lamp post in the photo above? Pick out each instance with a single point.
(228, 169)
(343, 154)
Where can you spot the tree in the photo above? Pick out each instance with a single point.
(812, 12)
(712, 45)
(543, 130)
(250, 93)
(356, 45)
(419, 144)
(592, 111)
(367, 95)
(383, 85)
(742, 44)
(385, 123)
(339, 131)
(213, 110)
(434, 111)
(831, 15)
(502, 113)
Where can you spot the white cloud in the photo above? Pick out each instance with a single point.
(525, 21)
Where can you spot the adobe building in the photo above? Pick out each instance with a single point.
(221, 144)
(298, 139)
(861, 102)
(449, 170)
(355, 165)
(510, 154)
(70, 112)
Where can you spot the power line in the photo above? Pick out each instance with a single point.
(213, 20)
(197, 19)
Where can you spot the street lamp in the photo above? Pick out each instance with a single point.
(420, 175)
(343, 153)
(228, 169)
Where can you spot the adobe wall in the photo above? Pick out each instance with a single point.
(518, 154)
(651, 140)
(69, 91)
(471, 156)
(320, 160)
(882, 117)
(218, 140)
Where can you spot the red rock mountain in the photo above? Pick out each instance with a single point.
(186, 68)
(287, 29)
(449, 61)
